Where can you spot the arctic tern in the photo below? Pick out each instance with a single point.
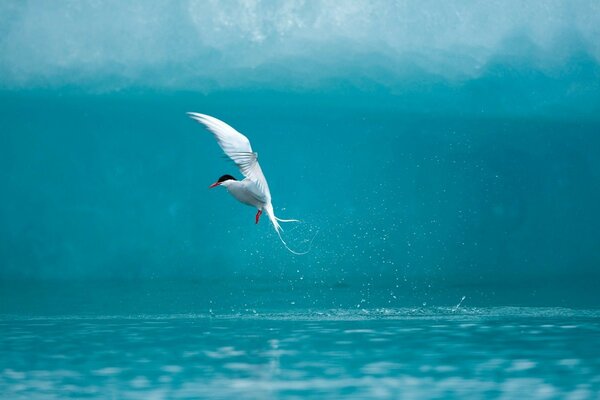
(253, 190)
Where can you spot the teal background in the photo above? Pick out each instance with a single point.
(439, 150)
(445, 153)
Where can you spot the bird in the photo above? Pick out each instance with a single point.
(253, 190)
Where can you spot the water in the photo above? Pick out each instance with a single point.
(446, 155)
(380, 353)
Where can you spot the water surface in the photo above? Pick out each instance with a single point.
(379, 353)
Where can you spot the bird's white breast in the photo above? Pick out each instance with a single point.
(246, 192)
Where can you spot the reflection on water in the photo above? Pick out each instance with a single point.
(538, 353)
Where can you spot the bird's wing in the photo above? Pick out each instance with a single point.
(237, 147)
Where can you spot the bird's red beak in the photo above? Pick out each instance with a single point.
(214, 185)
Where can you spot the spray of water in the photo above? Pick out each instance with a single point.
(298, 253)
(459, 303)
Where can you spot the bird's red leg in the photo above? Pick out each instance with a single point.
(258, 215)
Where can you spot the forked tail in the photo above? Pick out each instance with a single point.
(275, 221)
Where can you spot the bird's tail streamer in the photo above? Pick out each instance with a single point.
(278, 229)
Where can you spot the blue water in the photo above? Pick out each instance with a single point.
(445, 155)
(387, 353)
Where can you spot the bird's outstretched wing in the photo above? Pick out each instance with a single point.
(237, 147)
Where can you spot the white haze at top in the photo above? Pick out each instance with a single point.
(210, 45)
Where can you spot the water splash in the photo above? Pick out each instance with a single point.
(459, 303)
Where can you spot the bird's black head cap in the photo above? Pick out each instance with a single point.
(226, 178)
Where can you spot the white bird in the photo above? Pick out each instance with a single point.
(253, 190)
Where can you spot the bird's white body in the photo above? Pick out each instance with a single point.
(254, 189)
(247, 192)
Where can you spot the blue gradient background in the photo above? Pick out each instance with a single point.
(442, 150)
